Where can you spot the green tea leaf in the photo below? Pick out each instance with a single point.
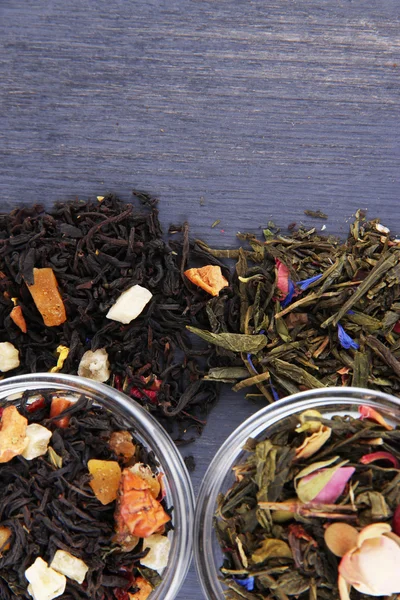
(271, 548)
(54, 458)
(236, 342)
(265, 456)
(226, 374)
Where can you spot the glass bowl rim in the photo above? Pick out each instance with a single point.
(225, 458)
(164, 450)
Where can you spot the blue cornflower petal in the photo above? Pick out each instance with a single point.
(251, 362)
(247, 583)
(303, 285)
(345, 340)
(350, 312)
(289, 297)
(274, 392)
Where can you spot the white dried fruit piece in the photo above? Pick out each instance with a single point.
(38, 441)
(95, 365)
(157, 557)
(69, 565)
(45, 582)
(9, 357)
(382, 228)
(130, 304)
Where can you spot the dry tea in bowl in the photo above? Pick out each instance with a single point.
(85, 505)
(312, 509)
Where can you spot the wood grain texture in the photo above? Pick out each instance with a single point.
(234, 110)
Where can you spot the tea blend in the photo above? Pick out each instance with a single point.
(314, 510)
(92, 288)
(82, 506)
(314, 312)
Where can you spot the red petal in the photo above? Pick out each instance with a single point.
(282, 282)
(396, 328)
(368, 458)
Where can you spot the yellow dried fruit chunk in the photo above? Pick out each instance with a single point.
(5, 534)
(106, 475)
(13, 438)
(47, 298)
(145, 589)
(209, 278)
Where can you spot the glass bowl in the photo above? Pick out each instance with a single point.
(179, 492)
(208, 555)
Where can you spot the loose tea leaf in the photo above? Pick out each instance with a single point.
(93, 252)
(232, 341)
(328, 310)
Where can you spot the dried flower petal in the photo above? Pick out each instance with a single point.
(208, 278)
(62, 352)
(47, 297)
(292, 292)
(374, 456)
(340, 538)
(304, 283)
(366, 412)
(345, 340)
(322, 485)
(247, 583)
(372, 566)
(314, 442)
(282, 278)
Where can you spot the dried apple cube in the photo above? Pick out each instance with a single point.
(106, 476)
(47, 297)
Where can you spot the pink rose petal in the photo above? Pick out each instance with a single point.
(282, 282)
(331, 492)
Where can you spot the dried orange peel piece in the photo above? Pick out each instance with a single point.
(209, 278)
(47, 297)
(145, 589)
(18, 318)
(58, 405)
(138, 512)
(106, 476)
(13, 438)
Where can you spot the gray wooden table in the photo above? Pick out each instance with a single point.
(236, 110)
